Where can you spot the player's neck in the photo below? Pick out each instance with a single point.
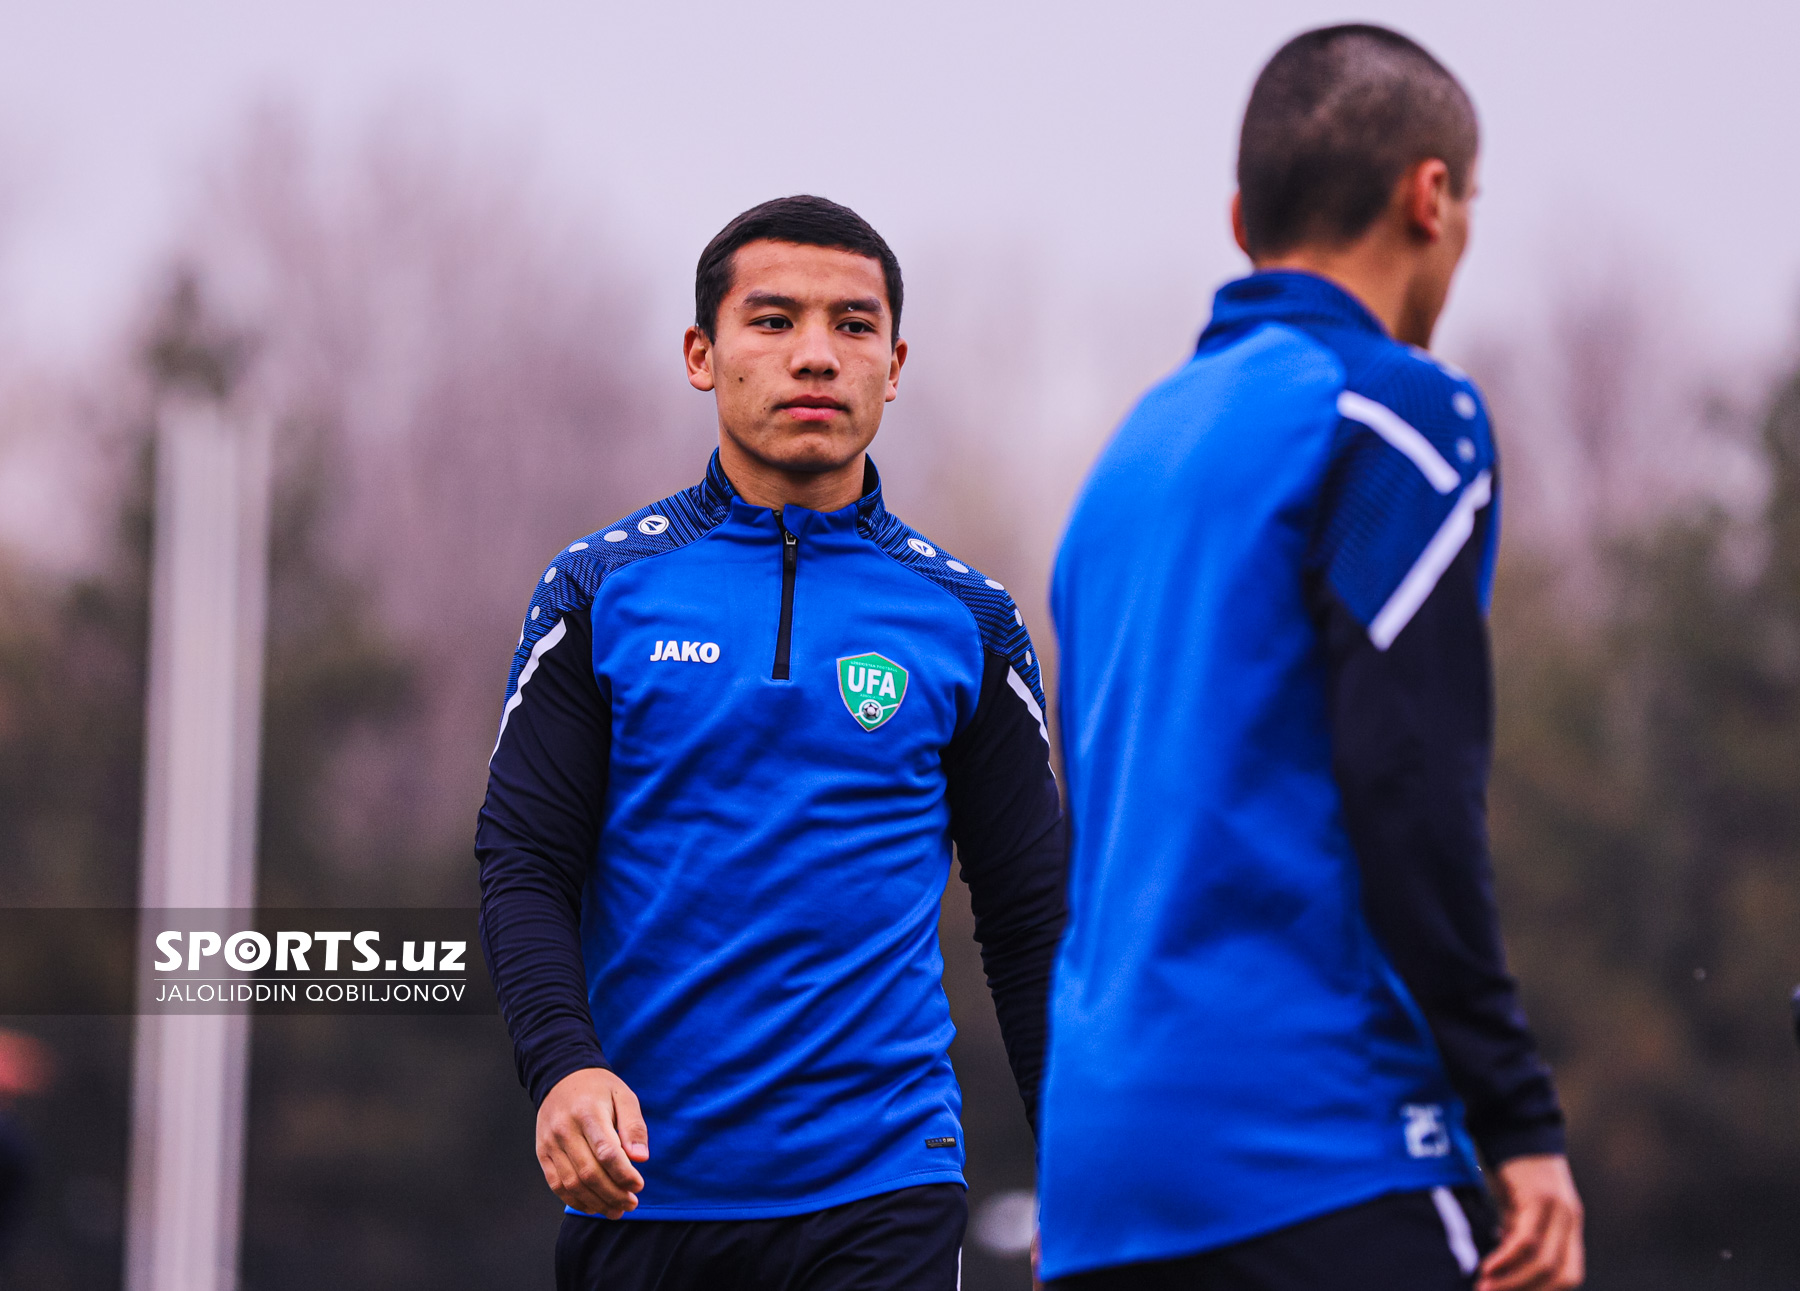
(1379, 271)
(763, 484)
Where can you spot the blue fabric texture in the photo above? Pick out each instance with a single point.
(1231, 1050)
(759, 913)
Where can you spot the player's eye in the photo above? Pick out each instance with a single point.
(773, 323)
(857, 326)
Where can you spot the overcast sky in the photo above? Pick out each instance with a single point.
(1100, 136)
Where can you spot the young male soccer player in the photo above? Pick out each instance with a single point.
(1282, 1023)
(744, 726)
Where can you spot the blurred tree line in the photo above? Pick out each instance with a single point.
(1646, 822)
(460, 388)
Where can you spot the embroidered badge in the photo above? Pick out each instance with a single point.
(872, 686)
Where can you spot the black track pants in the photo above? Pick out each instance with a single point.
(1409, 1241)
(910, 1240)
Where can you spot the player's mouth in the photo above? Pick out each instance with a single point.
(812, 407)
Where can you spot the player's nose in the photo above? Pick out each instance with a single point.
(814, 353)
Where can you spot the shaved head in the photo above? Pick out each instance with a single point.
(1335, 119)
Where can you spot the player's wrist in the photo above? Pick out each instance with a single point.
(545, 1081)
(1545, 1171)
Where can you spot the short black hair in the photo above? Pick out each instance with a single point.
(1335, 119)
(802, 219)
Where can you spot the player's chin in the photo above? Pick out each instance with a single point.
(814, 447)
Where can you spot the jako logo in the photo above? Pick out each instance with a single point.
(686, 652)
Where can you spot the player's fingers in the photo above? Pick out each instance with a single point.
(593, 1181)
(1574, 1267)
(550, 1161)
(560, 1174)
(1545, 1270)
(609, 1155)
(1563, 1261)
(1508, 1268)
(633, 1133)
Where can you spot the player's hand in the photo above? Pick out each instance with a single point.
(1540, 1222)
(590, 1131)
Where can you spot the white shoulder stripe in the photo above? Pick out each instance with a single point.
(1024, 692)
(1394, 428)
(550, 638)
(1431, 564)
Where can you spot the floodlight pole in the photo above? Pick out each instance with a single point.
(209, 595)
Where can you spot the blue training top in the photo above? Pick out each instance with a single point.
(735, 752)
(1282, 981)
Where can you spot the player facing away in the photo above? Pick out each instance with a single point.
(744, 726)
(1282, 1026)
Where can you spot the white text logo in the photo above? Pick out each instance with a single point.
(686, 652)
(1425, 1132)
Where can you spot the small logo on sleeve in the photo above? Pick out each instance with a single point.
(685, 652)
(946, 1142)
(872, 686)
(1426, 1133)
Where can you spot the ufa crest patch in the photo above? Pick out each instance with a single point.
(872, 686)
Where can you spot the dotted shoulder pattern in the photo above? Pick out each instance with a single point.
(1411, 464)
(573, 578)
(1423, 394)
(1001, 625)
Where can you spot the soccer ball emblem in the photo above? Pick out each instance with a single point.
(870, 710)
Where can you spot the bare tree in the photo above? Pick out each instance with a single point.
(1612, 418)
(454, 382)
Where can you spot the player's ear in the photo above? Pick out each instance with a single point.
(1425, 191)
(1237, 223)
(697, 353)
(895, 363)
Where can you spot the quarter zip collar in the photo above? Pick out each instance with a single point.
(864, 516)
(1285, 296)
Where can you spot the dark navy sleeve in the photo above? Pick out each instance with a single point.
(1412, 727)
(535, 844)
(1007, 822)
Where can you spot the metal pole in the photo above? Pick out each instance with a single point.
(208, 607)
